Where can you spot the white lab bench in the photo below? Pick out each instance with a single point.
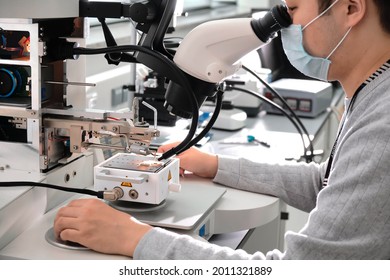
(233, 210)
(16, 217)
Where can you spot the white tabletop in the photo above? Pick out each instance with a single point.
(233, 210)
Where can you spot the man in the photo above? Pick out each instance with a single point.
(348, 197)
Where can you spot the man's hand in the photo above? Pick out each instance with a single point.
(94, 224)
(194, 160)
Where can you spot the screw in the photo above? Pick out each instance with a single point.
(67, 178)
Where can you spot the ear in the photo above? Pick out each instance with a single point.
(355, 11)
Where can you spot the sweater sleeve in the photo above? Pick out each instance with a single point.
(297, 184)
(162, 244)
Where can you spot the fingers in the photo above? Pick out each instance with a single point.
(94, 224)
(72, 210)
(68, 211)
(167, 147)
(70, 216)
(69, 235)
(64, 223)
(83, 202)
(163, 148)
(181, 172)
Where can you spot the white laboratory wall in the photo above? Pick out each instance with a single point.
(195, 4)
(258, 4)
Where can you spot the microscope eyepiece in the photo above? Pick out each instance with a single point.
(281, 15)
(272, 22)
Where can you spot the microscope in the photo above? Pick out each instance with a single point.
(47, 136)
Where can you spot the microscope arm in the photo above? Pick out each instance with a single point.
(152, 17)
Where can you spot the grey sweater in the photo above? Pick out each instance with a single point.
(349, 219)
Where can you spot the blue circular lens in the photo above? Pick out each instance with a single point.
(8, 82)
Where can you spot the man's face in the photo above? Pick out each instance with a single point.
(320, 37)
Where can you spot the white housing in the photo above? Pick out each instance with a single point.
(138, 186)
(212, 51)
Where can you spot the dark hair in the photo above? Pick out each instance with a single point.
(323, 4)
(383, 7)
(384, 12)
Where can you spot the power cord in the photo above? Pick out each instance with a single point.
(307, 155)
(210, 123)
(279, 108)
(112, 195)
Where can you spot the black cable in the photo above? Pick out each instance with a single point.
(98, 194)
(210, 123)
(308, 158)
(182, 80)
(284, 112)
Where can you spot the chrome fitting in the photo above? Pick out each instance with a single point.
(113, 195)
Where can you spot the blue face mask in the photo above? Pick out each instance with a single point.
(292, 39)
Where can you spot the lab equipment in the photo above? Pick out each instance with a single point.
(308, 98)
(49, 125)
(140, 179)
(152, 91)
(46, 134)
(217, 54)
(250, 139)
(230, 118)
(246, 102)
(42, 117)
